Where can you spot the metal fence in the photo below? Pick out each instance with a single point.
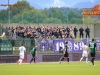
(11, 46)
(44, 45)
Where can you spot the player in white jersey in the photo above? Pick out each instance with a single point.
(21, 50)
(85, 52)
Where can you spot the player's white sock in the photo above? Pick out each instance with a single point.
(20, 61)
(81, 59)
(86, 60)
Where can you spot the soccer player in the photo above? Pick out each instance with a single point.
(22, 51)
(85, 52)
(34, 54)
(93, 48)
(66, 55)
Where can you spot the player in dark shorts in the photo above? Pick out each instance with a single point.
(93, 48)
(34, 54)
(66, 54)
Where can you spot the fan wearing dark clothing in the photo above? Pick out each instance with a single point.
(81, 32)
(68, 30)
(75, 32)
(34, 54)
(66, 54)
(87, 30)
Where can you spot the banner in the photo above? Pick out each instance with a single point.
(98, 44)
(45, 44)
(74, 46)
(57, 44)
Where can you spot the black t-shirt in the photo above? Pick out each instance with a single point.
(75, 30)
(39, 29)
(87, 30)
(81, 30)
(66, 48)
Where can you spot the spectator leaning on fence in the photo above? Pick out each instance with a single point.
(81, 32)
(75, 32)
(87, 31)
(43, 31)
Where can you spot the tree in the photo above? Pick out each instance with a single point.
(28, 14)
(14, 10)
(52, 20)
(55, 13)
(74, 17)
(76, 20)
(91, 20)
(4, 16)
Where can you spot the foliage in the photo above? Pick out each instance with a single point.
(28, 14)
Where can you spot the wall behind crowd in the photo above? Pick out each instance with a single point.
(94, 29)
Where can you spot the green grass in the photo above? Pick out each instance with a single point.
(74, 68)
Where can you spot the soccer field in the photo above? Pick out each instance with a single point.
(64, 68)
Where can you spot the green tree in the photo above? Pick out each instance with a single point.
(18, 9)
(52, 20)
(3, 16)
(91, 20)
(74, 17)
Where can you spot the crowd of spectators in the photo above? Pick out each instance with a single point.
(47, 32)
